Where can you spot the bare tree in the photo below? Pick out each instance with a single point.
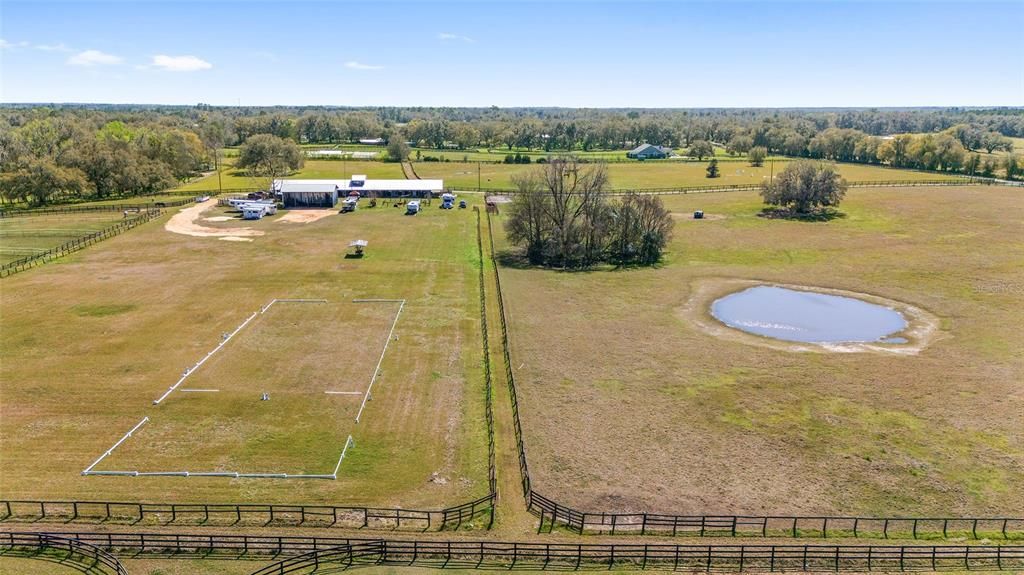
(527, 223)
(642, 229)
(574, 189)
(562, 216)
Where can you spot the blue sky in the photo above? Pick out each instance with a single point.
(574, 54)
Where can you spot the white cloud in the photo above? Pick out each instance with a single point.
(448, 37)
(353, 65)
(59, 47)
(94, 58)
(5, 44)
(180, 63)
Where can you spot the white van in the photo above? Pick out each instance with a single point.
(349, 205)
(412, 208)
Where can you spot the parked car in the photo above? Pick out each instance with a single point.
(462, 204)
(349, 205)
(412, 208)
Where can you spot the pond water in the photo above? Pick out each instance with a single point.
(810, 317)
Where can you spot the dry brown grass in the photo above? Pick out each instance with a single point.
(629, 406)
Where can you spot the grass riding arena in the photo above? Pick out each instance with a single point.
(629, 405)
(124, 319)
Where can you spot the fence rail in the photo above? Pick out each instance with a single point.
(100, 208)
(682, 190)
(76, 244)
(304, 553)
(492, 472)
(93, 559)
(517, 426)
(230, 514)
(552, 513)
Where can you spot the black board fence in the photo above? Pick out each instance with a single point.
(305, 553)
(551, 513)
(77, 243)
(492, 472)
(89, 557)
(682, 190)
(232, 514)
(524, 469)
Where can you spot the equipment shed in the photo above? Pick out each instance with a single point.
(308, 193)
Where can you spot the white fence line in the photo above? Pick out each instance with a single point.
(376, 370)
(348, 442)
(192, 369)
(234, 474)
(88, 470)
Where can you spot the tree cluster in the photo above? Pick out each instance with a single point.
(562, 217)
(66, 158)
(269, 156)
(804, 186)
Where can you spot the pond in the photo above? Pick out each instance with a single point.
(809, 317)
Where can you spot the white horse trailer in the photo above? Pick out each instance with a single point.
(254, 211)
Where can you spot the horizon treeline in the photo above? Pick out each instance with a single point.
(101, 151)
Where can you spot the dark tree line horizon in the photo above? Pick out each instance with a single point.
(101, 151)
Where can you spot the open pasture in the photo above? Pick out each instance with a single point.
(123, 319)
(26, 236)
(660, 174)
(629, 404)
(233, 178)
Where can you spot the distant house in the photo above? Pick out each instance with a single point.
(372, 141)
(649, 152)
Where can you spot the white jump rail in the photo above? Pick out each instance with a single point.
(344, 450)
(227, 338)
(89, 471)
(235, 474)
(376, 370)
(192, 369)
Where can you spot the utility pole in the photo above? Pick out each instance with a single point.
(478, 176)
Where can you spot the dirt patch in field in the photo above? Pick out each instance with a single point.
(219, 219)
(922, 326)
(305, 216)
(186, 223)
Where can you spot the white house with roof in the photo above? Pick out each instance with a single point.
(649, 152)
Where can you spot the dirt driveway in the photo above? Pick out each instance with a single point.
(185, 222)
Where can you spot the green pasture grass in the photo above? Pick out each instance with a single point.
(232, 178)
(660, 174)
(629, 405)
(27, 235)
(89, 341)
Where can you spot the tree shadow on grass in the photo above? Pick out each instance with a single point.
(516, 259)
(819, 215)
